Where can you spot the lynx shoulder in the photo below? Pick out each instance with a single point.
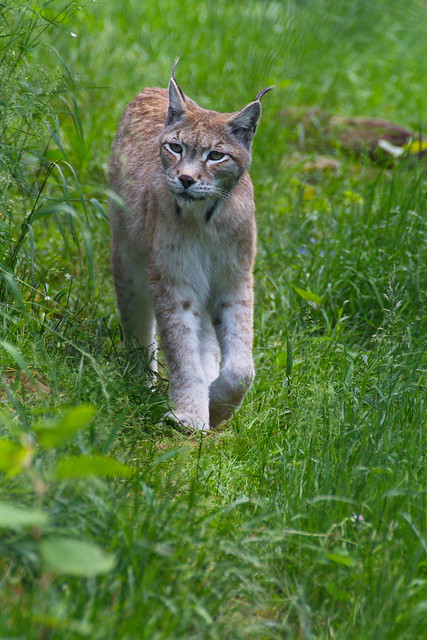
(183, 246)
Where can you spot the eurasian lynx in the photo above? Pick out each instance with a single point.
(183, 245)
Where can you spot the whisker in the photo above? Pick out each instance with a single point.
(222, 194)
(216, 193)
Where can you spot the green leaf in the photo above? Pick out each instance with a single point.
(308, 295)
(9, 453)
(172, 453)
(16, 355)
(341, 557)
(55, 433)
(339, 594)
(73, 557)
(60, 623)
(13, 456)
(83, 466)
(5, 419)
(12, 517)
(289, 358)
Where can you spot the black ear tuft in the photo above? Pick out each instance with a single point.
(259, 96)
(175, 64)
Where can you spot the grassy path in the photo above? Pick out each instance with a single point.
(306, 516)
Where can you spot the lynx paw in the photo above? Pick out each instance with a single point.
(227, 392)
(189, 423)
(219, 413)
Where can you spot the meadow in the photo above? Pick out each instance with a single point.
(305, 516)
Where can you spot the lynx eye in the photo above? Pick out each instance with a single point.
(216, 156)
(174, 147)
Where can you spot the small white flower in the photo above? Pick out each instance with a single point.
(47, 298)
(357, 517)
(68, 276)
(73, 35)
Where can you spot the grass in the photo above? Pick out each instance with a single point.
(306, 516)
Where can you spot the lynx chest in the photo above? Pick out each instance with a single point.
(199, 258)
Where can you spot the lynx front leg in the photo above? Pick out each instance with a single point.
(209, 348)
(233, 323)
(178, 320)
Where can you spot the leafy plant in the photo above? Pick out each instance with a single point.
(62, 555)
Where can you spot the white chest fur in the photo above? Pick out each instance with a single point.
(194, 255)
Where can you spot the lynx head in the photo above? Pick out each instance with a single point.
(204, 153)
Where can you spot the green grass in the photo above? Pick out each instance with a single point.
(305, 517)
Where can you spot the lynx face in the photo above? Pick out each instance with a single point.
(198, 165)
(205, 153)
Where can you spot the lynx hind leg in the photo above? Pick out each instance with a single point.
(135, 305)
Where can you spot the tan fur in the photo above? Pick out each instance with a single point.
(183, 246)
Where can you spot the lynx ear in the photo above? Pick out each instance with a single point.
(243, 125)
(176, 108)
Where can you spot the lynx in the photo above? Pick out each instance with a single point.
(183, 246)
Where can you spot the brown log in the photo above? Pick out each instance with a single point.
(380, 139)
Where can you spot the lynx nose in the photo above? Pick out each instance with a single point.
(186, 181)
